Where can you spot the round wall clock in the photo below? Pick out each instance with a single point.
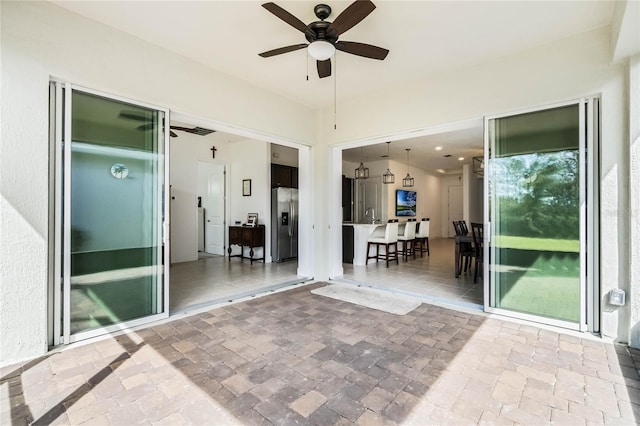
(119, 171)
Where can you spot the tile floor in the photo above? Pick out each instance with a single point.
(297, 358)
(214, 279)
(429, 277)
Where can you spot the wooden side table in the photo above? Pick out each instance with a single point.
(246, 236)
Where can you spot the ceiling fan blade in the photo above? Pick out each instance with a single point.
(151, 126)
(324, 68)
(362, 49)
(200, 131)
(146, 126)
(134, 115)
(285, 16)
(282, 50)
(356, 12)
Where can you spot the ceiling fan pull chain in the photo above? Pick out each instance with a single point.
(307, 65)
(335, 102)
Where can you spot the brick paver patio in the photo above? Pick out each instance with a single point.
(298, 358)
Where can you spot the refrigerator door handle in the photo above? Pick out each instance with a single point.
(290, 218)
(294, 225)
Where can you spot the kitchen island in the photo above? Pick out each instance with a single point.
(362, 231)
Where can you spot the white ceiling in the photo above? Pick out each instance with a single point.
(424, 38)
(423, 153)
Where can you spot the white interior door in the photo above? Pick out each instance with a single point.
(211, 189)
(456, 210)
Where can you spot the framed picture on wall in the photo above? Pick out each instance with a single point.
(252, 219)
(246, 187)
(405, 203)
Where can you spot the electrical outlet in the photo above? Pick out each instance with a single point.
(616, 297)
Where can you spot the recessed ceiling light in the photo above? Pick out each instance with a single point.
(438, 148)
(441, 171)
(460, 158)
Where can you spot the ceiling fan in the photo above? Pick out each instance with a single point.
(323, 35)
(137, 116)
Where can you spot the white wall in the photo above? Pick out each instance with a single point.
(476, 199)
(446, 182)
(256, 167)
(427, 187)
(40, 40)
(473, 193)
(349, 168)
(399, 169)
(634, 202)
(433, 205)
(284, 155)
(565, 70)
(186, 150)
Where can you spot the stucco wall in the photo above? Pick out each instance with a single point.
(41, 40)
(634, 216)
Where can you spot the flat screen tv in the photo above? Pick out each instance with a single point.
(405, 203)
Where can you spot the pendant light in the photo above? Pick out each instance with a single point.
(388, 177)
(408, 181)
(362, 172)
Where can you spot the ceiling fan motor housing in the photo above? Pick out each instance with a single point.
(322, 11)
(319, 30)
(328, 32)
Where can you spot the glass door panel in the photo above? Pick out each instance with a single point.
(535, 213)
(115, 212)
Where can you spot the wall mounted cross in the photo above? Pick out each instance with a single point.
(213, 151)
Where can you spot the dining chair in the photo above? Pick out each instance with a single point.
(407, 239)
(456, 227)
(390, 239)
(422, 237)
(467, 252)
(477, 231)
(463, 226)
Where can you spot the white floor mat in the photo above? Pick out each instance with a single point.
(370, 298)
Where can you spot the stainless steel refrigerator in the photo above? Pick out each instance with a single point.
(284, 224)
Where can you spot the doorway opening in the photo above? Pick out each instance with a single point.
(218, 182)
(441, 164)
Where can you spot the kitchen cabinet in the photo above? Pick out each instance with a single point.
(284, 176)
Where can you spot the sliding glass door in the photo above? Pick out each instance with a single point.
(110, 158)
(539, 240)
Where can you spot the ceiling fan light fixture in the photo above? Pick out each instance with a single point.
(408, 181)
(388, 177)
(321, 50)
(361, 172)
